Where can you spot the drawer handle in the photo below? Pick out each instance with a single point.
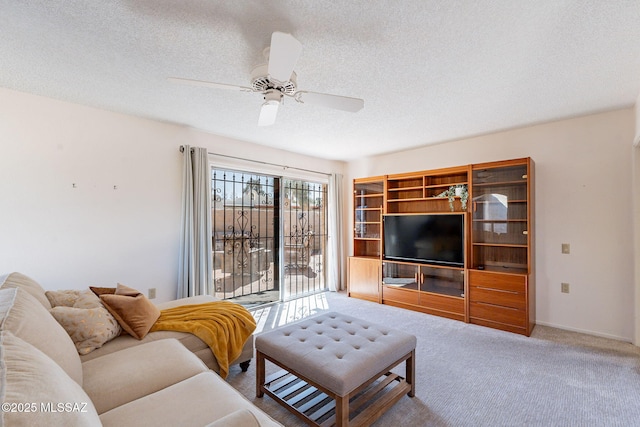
(496, 305)
(498, 290)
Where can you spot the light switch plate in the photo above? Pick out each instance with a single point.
(566, 248)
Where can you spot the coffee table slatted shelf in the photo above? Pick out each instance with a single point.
(316, 407)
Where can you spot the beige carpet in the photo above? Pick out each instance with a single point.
(468, 375)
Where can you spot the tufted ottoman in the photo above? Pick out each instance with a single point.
(336, 368)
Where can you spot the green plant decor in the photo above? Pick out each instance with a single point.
(451, 195)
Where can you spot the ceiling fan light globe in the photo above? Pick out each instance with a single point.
(268, 113)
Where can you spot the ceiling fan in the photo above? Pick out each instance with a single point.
(276, 79)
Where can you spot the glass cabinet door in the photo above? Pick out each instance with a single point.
(444, 281)
(500, 217)
(400, 275)
(368, 198)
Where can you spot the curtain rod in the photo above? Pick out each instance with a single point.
(262, 162)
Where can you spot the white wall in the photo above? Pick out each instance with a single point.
(636, 138)
(636, 215)
(93, 234)
(67, 237)
(584, 196)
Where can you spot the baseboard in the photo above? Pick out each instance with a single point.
(587, 332)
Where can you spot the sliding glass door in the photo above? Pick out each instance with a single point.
(269, 236)
(305, 237)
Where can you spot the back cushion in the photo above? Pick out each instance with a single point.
(28, 377)
(19, 280)
(22, 315)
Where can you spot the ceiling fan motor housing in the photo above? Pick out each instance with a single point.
(272, 97)
(262, 82)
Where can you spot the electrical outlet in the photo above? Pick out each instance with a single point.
(564, 287)
(566, 248)
(152, 293)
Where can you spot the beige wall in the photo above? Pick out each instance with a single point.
(93, 234)
(584, 197)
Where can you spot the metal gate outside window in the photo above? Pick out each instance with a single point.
(269, 234)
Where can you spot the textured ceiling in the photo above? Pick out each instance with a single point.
(428, 70)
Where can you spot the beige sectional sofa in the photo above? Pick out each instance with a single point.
(43, 380)
(193, 343)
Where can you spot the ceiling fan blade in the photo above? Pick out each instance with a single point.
(344, 103)
(208, 84)
(283, 55)
(268, 113)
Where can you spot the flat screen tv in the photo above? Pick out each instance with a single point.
(425, 238)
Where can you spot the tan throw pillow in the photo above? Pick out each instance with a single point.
(87, 299)
(100, 291)
(63, 298)
(125, 290)
(133, 311)
(84, 317)
(89, 328)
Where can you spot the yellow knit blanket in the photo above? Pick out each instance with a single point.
(223, 325)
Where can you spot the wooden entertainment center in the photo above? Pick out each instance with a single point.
(494, 286)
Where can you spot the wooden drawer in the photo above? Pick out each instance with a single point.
(500, 297)
(505, 282)
(406, 296)
(442, 303)
(496, 313)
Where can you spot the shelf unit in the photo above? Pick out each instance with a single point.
(420, 192)
(500, 275)
(495, 287)
(364, 266)
(435, 290)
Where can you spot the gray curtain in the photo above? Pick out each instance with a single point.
(336, 241)
(195, 267)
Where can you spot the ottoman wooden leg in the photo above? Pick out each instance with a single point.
(342, 411)
(411, 373)
(259, 374)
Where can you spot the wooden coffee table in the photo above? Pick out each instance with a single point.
(336, 369)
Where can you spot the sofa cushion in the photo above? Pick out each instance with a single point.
(25, 317)
(239, 418)
(169, 406)
(198, 299)
(19, 280)
(135, 372)
(133, 311)
(29, 377)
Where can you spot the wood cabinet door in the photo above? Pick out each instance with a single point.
(364, 278)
